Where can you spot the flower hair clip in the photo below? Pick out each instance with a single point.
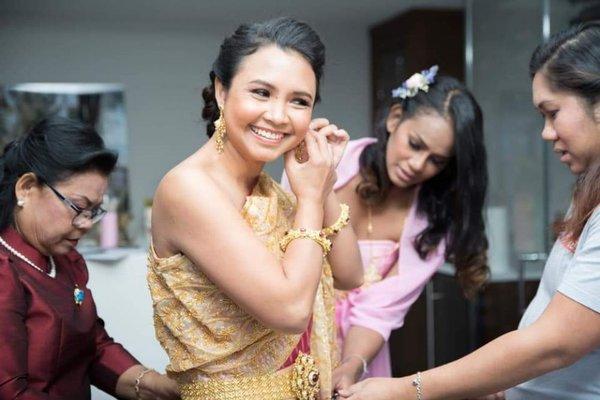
(418, 81)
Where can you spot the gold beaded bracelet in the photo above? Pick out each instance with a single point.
(341, 222)
(302, 233)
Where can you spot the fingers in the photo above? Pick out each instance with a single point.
(331, 131)
(317, 150)
(324, 147)
(342, 140)
(336, 137)
(312, 147)
(345, 393)
(343, 382)
(333, 137)
(328, 131)
(318, 123)
(342, 135)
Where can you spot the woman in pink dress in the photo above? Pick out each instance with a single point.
(416, 192)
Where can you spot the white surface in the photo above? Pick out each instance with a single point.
(106, 255)
(499, 243)
(123, 301)
(68, 88)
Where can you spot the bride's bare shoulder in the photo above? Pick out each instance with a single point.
(188, 178)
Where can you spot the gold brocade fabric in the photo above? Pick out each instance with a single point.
(207, 336)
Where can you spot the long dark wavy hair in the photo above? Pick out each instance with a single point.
(285, 32)
(570, 61)
(453, 199)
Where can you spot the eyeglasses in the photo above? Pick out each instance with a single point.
(82, 215)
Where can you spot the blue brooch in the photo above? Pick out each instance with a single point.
(78, 295)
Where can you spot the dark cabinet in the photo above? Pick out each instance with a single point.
(411, 42)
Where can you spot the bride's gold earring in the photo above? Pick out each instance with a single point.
(300, 153)
(220, 131)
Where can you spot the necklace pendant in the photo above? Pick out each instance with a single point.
(372, 275)
(78, 295)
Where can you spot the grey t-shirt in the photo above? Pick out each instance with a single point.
(577, 276)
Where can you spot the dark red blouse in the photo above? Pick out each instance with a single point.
(51, 348)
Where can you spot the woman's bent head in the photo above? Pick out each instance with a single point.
(565, 75)
(52, 181)
(434, 138)
(566, 91)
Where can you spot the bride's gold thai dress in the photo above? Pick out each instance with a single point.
(217, 350)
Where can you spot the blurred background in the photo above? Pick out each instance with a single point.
(136, 69)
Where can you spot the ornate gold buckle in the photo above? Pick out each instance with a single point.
(305, 378)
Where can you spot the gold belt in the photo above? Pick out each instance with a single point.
(297, 382)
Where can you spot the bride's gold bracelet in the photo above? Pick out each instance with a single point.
(302, 233)
(341, 222)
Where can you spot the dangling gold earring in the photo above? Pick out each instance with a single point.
(300, 152)
(220, 131)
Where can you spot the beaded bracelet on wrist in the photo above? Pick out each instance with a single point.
(302, 233)
(417, 383)
(340, 223)
(365, 369)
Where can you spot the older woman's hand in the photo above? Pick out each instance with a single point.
(152, 385)
(158, 386)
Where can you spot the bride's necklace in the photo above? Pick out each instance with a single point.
(78, 294)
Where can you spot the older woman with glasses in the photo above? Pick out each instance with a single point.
(52, 343)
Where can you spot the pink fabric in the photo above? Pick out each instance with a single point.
(303, 346)
(382, 306)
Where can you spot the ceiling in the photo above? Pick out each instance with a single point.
(363, 12)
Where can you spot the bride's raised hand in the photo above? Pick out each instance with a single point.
(314, 178)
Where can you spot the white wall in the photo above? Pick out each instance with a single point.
(164, 67)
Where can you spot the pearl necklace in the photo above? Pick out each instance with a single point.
(16, 253)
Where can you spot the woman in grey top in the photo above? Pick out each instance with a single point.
(555, 354)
